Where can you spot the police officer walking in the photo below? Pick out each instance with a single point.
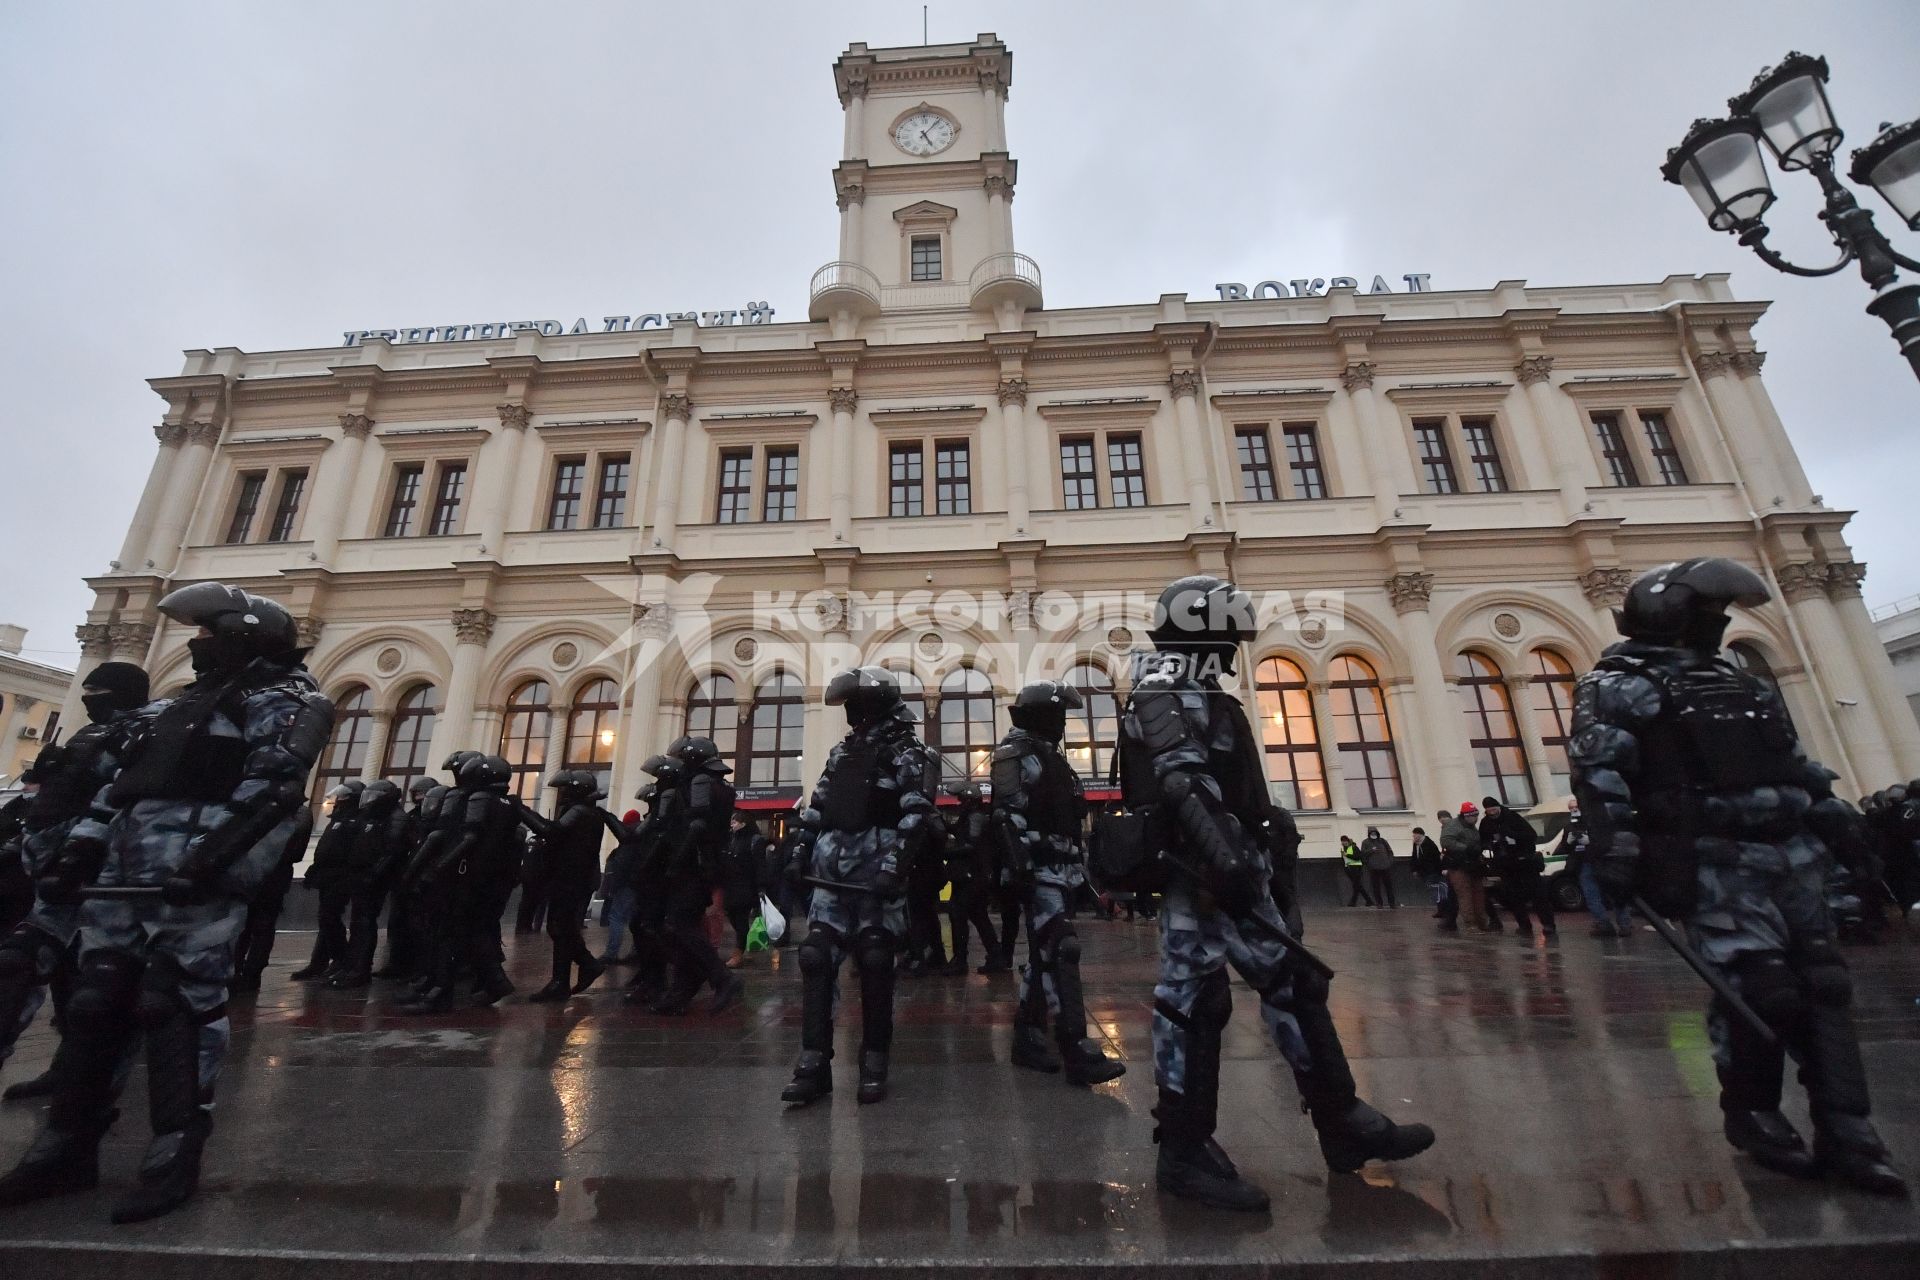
(1039, 812)
(1189, 757)
(870, 815)
(201, 809)
(38, 951)
(691, 841)
(330, 875)
(379, 845)
(972, 868)
(1700, 799)
(569, 866)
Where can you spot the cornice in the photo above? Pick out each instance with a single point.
(448, 435)
(1282, 398)
(1119, 409)
(1450, 395)
(935, 415)
(731, 425)
(1613, 386)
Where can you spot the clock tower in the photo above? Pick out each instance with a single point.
(925, 188)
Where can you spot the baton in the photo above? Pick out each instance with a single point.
(1670, 936)
(839, 886)
(1292, 943)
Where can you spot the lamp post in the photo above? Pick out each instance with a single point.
(1720, 165)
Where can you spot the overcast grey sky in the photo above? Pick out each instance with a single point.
(266, 176)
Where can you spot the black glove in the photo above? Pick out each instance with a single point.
(888, 885)
(182, 890)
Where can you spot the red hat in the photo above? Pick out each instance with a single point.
(1468, 811)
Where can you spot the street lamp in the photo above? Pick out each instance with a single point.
(1720, 165)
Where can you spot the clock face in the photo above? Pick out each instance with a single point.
(923, 134)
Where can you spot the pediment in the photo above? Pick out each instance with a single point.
(926, 211)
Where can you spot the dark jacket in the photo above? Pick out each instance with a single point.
(1426, 857)
(1461, 849)
(741, 864)
(1511, 844)
(1376, 853)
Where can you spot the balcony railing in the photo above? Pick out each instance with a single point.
(843, 286)
(1006, 275)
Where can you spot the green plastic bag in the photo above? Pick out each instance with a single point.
(757, 934)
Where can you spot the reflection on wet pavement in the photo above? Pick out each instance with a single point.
(1570, 1086)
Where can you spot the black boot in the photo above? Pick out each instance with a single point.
(812, 1079)
(435, 999)
(40, 1086)
(244, 984)
(590, 970)
(558, 989)
(727, 994)
(60, 1162)
(350, 980)
(1359, 1134)
(873, 1076)
(1191, 1164)
(1772, 1141)
(169, 1175)
(1849, 1149)
(177, 1107)
(494, 986)
(1031, 1049)
(997, 962)
(1087, 1063)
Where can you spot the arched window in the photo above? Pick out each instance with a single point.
(1293, 741)
(772, 757)
(1499, 756)
(412, 735)
(1365, 739)
(913, 693)
(523, 736)
(713, 711)
(1093, 730)
(591, 727)
(1750, 660)
(965, 725)
(346, 753)
(1553, 681)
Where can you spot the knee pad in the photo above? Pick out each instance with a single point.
(106, 992)
(1214, 1005)
(875, 949)
(160, 1000)
(816, 953)
(1069, 948)
(1770, 986)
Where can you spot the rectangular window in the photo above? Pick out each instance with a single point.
(906, 473)
(1303, 460)
(736, 486)
(783, 485)
(952, 479)
(406, 497)
(286, 511)
(1619, 468)
(610, 497)
(245, 505)
(1436, 460)
(1079, 486)
(569, 483)
(447, 497)
(1483, 454)
(1256, 465)
(926, 258)
(1126, 471)
(1666, 457)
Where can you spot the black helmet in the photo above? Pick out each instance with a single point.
(1896, 795)
(418, 788)
(379, 797)
(244, 626)
(647, 791)
(485, 773)
(454, 761)
(678, 745)
(1684, 604)
(965, 792)
(868, 693)
(1203, 616)
(1041, 708)
(345, 797)
(667, 769)
(696, 753)
(111, 687)
(576, 782)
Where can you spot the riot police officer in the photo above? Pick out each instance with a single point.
(403, 944)
(1700, 799)
(254, 947)
(426, 883)
(38, 951)
(869, 816)
(647, 877)
(201, 809)
(330, 875)
(971, 867)
(1039, 813)
(691, 837)
(477, 868)
(568, 858)
(1189, 758)
(379, 846)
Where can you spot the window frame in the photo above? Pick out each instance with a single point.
(250, 486)
(565, 506)
(403, 728)
(401, 512)
(1476, 688)
(1294, 468)
(1662, 455)
(1095, 726)
(623, 458)
(525, 728)
(1550, 703)
(1259, 471)
(936, 241)
(1430, 433)
(284, 524)
(605, 718)
(1089, 477)
(967, 697)
(1479, 464)
(701, 713)
(1270, 702)
(787, 705)
(447, 509)
(961, 497)
(908, 490)
(1361, 748)
(790, 509)
(353, 713)
(740, 509)
(1121, 441)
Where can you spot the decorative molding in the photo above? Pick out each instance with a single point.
(1313, 632)
(912, 419)
(171, 435)
(357, 426)
(96, 639)
(1409, 591)
(1272, 399)
(1357, 374)
(843, 399)
(1020, 610)
(652, 621)
(309, 630)
(206, 433)
(1606, 587)
(1074, 412)
(1184, 382)
(676, 406)
(1712, 364)
(389, 660)
(1534, 369)
(849, 194)
(513, 416)
(1844, 578)
(1801, 580)
(1013, 391)
(130, 637)
(997, 185)
(1506, 625)
(1747, 363)
(473, 626)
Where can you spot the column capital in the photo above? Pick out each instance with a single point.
(131, 638)
(652, 621)
(1013, 391)
(1747, 363)
(1606, 587)
(1184, 382)
(1801, 580)
(855, 85)
(849, 193)
(171, 435)
(513, 417)
(206, 433)
(1534, 369)
(991, 81)
(1844, 578)
(999, 185)
(674, 405)
(96, 639)
(356, 426)
(1409, 591)
(1712, 364)
(473, 626)
(381, 716)
(1357, 374)
(844, 399)
(309, 630)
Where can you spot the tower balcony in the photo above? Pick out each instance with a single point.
(1005, 279)
(843, 288)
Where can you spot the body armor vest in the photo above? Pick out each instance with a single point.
(1721, 732)
(1054, 808)
(69, 792)
(178, 756)
(855, 802)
